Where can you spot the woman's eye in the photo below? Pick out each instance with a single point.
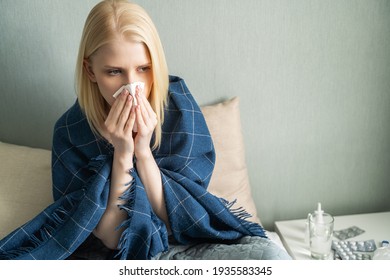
(144, 69)
(114, 72)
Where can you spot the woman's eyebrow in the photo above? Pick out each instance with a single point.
(146, 64)
(118, 67)
(112, 67)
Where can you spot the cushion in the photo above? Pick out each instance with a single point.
(25, 187)
(230, 179)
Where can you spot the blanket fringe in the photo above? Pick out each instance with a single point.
(242, 215)
(129, 197)
(54, 220)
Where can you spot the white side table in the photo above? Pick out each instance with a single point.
(293, 232)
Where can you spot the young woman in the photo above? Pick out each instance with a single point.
(130, 173)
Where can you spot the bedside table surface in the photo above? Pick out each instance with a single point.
(295, 237)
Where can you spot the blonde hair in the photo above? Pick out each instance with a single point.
(106, 21)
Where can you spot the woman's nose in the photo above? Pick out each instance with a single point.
(130, 78)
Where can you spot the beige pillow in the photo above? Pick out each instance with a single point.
(25, 185)
(230, 178)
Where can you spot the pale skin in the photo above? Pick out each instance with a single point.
(113, 65)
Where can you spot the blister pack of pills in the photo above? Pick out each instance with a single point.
(353, 250)
(348, 232)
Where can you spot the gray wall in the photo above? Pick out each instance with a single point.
(313, 78)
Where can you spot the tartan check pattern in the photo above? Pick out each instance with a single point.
(81, 168)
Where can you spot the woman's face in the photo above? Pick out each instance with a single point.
(118, 63)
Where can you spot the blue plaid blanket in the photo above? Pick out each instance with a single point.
(81, 166)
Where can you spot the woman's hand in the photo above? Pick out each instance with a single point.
(120, 122)
(146, 120)
(148, 171)
(118, 130)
